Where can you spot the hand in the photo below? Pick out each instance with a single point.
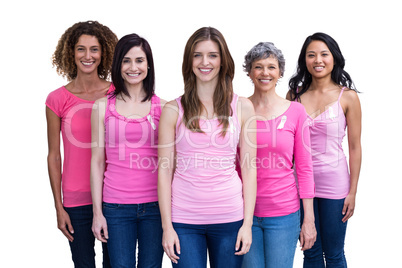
(64, 224)
(99, 228)
(308, 235)
(170, 242)
(244, 239)
(348, 207)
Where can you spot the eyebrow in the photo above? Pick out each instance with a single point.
(85, 46)
(311, 51)
(138, 58)
(207, 52)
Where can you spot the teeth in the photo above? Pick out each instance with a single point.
(133, 75)
(87, 63)
(205, 70)
(265, 80)
(318, 68)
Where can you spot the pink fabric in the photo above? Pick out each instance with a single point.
(279, 141)
(131, 174)
(331, 173)
(75, 115)
(206, 188)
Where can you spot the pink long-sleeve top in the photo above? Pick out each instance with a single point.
(280, 141)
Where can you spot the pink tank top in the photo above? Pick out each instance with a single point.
(331, 173)
(206, 188)
(131, 174)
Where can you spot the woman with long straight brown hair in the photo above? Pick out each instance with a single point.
(204, 204)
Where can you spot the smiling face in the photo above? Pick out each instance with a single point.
(87, 54)
(319, 59)
(134, 66)
(265, 73)
(206, 61)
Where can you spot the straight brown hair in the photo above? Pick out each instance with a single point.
(223, 94)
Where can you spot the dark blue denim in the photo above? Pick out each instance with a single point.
(328, 250)
(218, 239)
(127, 223)
(82, 248)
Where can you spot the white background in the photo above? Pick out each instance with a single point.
(368, 32)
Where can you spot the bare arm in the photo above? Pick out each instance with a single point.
(99, 225)
(166, 155)
(248, 171)
(54, 169)
(353, 119)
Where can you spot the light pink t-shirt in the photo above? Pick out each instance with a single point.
(281, 141)
(131, 146)
(331, 172)
(206, 188)
(75, 115)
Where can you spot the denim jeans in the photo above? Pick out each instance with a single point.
(274, 241)
(328, 250)
(127, 223)
(218, 239)
(82, 248)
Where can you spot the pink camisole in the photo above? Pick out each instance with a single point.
(131, 174)
(331, 173)
(206, 188)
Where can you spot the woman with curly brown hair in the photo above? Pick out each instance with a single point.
(84, 56)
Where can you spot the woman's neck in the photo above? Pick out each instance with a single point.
(137, 92)
(87, 83)
(264, 98)
(322, 84)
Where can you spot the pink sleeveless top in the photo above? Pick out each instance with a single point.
(331, 173)
(206, 188)
(131, 174)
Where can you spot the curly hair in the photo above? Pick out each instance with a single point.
(63, 57)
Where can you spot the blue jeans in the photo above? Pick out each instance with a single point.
(218, 239)
(331, 232)
(274, 241)
(82, 248)
(127, 223)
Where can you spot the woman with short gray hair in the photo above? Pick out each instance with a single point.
(282, 137)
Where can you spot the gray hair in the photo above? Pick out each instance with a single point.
(264, 50)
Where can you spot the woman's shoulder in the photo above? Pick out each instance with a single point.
(59, 92)
(350, 94)
(297, 106)
(245, 103)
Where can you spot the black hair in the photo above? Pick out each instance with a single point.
(122, 47)
(301, 80)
